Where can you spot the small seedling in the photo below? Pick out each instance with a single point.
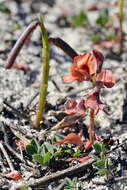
(103, 18)
(72, 184)
(80, 20)
(102, 159)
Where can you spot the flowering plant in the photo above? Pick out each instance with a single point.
(88, 67)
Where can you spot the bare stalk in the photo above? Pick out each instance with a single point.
(121, 18)
(45, 75)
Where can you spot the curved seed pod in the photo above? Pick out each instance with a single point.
(19, 44)
(64, 46)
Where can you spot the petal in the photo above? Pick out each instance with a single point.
(86, 62)
(93, 102)
(106, 77)
(81, 109)
(100, 59)
(69, 78)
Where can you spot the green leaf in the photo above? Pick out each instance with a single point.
(111, 36)
(97, 147)
(57, 154)
(50, 148)
(102, 172)
(38, 158)
(33, 147)
(80, 19)
(103, 17)
(95, 38)
(101, 163)
(43, 160)
(103, 149)
(77, 154)
(47, 158)
(4, 9)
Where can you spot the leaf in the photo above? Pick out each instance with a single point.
(71, 138)
(97, 147)
(47, 158)
(33, 147)
(80, 20)
(4, 9)
(43, 160)
(14, 175)
(102, 171)
(101, 163)
(77, 154)
(103, 149)
(50, 148)
(38, 158)
(23, 66)
(83, 159)
(111, 36)
(103, 17)
(95, 38)
(21, 144)
(67, 121)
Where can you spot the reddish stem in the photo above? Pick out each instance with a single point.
(92, 127)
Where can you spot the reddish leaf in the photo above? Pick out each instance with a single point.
(21, 144)
(99, 138)
(105, 78)
(14, 175)
(93, 8)
(21, 66)
(84, 159)
(88, 145)
(71, 138)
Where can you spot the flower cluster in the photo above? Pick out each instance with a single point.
(88, 67)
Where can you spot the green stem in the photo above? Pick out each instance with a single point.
(45, 75)
(121, 18)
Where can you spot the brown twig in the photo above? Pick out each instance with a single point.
(124, 142)
(6, 156)
(115, 180)
(43, 181)
(17, 112)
